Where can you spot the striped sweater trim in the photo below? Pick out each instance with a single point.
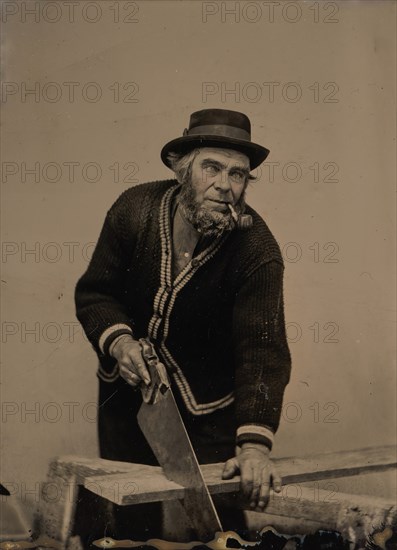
(108, 377)
(106, 334)
(169, 289)
(255, 433)
(187, 394)
(166, 257)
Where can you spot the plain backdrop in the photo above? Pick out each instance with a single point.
(318, 83)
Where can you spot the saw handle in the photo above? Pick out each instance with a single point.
(159, 382)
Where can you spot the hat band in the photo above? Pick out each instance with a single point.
(220, 130)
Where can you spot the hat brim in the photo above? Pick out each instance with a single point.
(256, 153)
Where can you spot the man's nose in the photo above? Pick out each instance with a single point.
(222, 182)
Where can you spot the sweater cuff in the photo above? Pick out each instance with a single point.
(255, 433)
(110, 334)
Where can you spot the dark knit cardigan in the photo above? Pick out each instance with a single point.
(218, 327)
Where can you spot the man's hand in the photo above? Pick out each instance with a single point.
(257, 472)
(128, 353)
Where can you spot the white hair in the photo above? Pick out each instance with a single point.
(181, 164)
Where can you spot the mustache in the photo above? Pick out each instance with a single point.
(208, 222)
(188, 198)
(221, 201)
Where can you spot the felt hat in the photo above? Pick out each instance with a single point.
(217, 128)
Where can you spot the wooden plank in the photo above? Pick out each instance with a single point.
(57, 507)
(354, 516)
(144, 484)
(331, 512)
(126, 483)
(141, 483)
(83, 467)
(338, 464)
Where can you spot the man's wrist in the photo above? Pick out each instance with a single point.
(111, 334)
(119, 339)
(257, 446)
(256, 434)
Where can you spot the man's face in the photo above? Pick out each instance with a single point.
(218, 177)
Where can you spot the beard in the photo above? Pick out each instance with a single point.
(210, 223)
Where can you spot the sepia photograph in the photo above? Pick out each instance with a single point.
(198, 305)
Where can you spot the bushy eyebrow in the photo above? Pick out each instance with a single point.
(212, 162)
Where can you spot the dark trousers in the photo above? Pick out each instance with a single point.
(120, 438)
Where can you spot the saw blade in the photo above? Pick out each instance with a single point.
(163, 427)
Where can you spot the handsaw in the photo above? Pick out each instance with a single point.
(164, 430)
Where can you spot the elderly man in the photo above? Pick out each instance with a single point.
(186, 263)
